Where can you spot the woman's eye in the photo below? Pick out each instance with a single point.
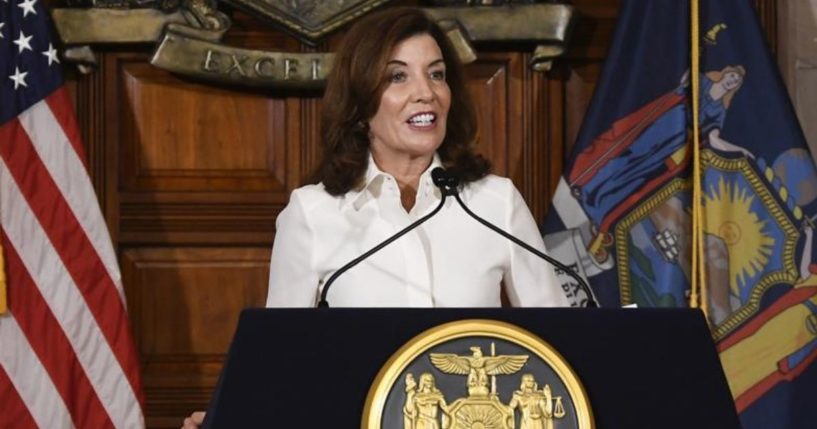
(397, 77)
(438, 75)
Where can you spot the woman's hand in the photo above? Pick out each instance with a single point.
(194, 421)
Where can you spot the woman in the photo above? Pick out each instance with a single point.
(395, 107)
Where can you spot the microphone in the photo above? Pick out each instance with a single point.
(323, 303)
(448, 182)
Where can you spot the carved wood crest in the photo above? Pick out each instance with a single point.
(187, 34)
(308, 20)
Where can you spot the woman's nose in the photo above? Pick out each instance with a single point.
(422, 91)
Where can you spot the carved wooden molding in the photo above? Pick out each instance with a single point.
(188, 41)
(767, 13)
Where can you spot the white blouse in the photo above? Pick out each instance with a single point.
(449, 261)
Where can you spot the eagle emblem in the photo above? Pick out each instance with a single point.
(478, 367)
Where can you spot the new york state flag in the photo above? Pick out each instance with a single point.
(622, 212)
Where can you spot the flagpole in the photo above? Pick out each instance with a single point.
(697, 296)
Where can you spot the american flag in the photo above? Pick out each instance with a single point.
(67, 358)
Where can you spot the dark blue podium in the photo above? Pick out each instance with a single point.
(312, 368)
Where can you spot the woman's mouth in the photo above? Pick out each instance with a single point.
(422, 120)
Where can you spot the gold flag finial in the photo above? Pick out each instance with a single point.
(712, 35)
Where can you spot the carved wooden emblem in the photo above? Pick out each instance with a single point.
(308, 20)
(188, 37)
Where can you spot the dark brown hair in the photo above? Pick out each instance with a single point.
(356, 84)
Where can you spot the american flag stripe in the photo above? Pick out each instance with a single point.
(15, 415)
(52, 347)
(69, 174)
(30, 380)
(68, 304)
(65, 343)
(81, 260)
(59, 102)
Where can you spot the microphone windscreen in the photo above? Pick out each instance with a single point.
(438, 176)
(444, 179)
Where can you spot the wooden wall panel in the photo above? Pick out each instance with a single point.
(178, 136)
(489, 82)
(512, 106)
(543, 144)
(194, 163)
(184, 305)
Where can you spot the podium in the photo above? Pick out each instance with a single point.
(312, 368)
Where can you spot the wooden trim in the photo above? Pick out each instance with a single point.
(90, 116)
(767, 13)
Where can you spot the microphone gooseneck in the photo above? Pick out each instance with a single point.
(323, 303)
(448, 185)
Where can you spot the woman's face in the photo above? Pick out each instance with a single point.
(731, 80)
(410, 120)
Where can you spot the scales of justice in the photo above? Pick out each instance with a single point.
(426, 406)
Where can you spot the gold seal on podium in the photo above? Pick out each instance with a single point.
(477, 374)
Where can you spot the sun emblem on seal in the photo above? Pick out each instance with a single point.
(729, 216)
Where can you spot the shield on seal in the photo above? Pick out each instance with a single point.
(750, 240)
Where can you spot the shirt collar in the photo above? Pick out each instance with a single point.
(373, 185)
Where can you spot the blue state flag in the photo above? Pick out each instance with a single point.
(622, 211)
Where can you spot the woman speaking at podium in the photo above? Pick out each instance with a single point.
(395, 108)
